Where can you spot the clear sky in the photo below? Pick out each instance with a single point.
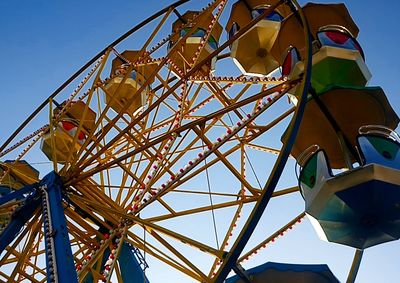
(44, 42)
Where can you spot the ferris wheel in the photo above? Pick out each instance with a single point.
(169, 149)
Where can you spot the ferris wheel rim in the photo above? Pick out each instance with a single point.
(291, 132)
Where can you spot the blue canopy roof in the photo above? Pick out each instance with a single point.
(274, 272)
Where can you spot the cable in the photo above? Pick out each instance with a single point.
(211, 201)
(144, 253)
(252, 168)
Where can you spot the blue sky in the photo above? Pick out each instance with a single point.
(44, 42)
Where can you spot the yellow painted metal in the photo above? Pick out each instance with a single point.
(12, 254)
(283, 88)
(118, 251)
(167, 232)
(28, 244)
(99, 68)
(95, 259)
(125, 84)
(58, 149)
(286, 191)
(61, 145)
(17, 174)
(179, 255)
(130, 57)
(238, 246)
(203, 209)
(84, 123)
(160, 255)
(78, 112)
(51, 148)
(252, 51)
(271, 237)
(105, 174)
(241, 14)
(188, 45)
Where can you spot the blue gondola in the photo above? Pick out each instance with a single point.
(359, 207)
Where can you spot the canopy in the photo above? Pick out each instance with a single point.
(75, 113)
(274, 272)
(351, 108)
(318, 15)
(252, 51)
(241, 14)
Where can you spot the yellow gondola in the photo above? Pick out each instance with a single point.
(59, 143)
(16, 174)
(195, 24)
(251, 52)
(123, 87)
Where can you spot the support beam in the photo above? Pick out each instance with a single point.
(355, 266)
(18, 220)
(131, 271)
(59, 259)
(18, 194)
(241, 273)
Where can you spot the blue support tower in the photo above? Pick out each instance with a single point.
(129, 262)
(59, 259)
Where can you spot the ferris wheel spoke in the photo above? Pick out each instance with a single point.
(21, 264)
(95, 211)
(262, 129)
(86, 66)
(132, 142)
(205, 193)
(162, 256)
(180, 151)
(195, 210)
(92, 194)
(134, 121)
(153, 226)
(179, 255)
(152, 106)
(283, 192)
(176, 236)
(204, 167)
(220, 156)
(12, 254)
(272, 238)
(179, 129)
(263, 148)
(231, 168)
